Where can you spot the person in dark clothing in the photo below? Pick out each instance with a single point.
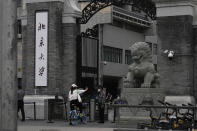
(21, 95)
(101, 103)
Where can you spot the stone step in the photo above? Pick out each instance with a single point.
(131, 122)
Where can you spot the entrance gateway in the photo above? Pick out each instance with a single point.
(176, 31)
(169, 37)
(173, 17)
(63, 64)
(131, 94)
(95, 6)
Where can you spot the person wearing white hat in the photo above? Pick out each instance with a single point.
(74, 97)
(74, 85)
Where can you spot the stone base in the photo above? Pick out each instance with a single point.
(129, 117)
(135, 96)
(131, 122)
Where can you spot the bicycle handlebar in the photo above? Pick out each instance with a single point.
(190, 104)
(161, 102)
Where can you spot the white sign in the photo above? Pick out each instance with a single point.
(41, 49)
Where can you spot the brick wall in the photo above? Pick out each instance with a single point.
(70, 32)
(195, 61)
(55, 50)
(24, 59)
(175, 33)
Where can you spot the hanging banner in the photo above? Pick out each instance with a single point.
(41, 51)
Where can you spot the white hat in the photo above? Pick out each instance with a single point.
(74, 85)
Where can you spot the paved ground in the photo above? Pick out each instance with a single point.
(39, 125)
(49, 128)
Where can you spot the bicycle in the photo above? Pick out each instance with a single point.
(185, 121)
(166, 119)
(154, 124)
(75, 116)
(182, 120)
(179, 120)
(164, 122)
(154, 121)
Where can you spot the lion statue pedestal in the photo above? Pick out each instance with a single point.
(129, 117)
(141, 86)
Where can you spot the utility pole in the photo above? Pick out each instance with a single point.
(8, 60)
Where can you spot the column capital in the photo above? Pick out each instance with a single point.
(71, 12)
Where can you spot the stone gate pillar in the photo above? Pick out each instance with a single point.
(51, 23)
(70, 29)
(8, 47)
(175, 33)
(61, 53)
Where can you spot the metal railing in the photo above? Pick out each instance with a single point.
(174, 107)
(133, 17)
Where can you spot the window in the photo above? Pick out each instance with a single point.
(112, 54)
(128, 59)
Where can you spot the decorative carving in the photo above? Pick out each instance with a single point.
(96, 5)
(91, 32)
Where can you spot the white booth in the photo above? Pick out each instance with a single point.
(36, 106)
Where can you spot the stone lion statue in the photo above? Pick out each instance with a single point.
(141, 72)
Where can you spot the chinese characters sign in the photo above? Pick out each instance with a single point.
(41, 49)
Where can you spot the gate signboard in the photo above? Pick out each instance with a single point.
(41, 48)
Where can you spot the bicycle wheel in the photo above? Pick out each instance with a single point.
(164, 124)
(75, 122)
(85, 119)
(73, 117)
